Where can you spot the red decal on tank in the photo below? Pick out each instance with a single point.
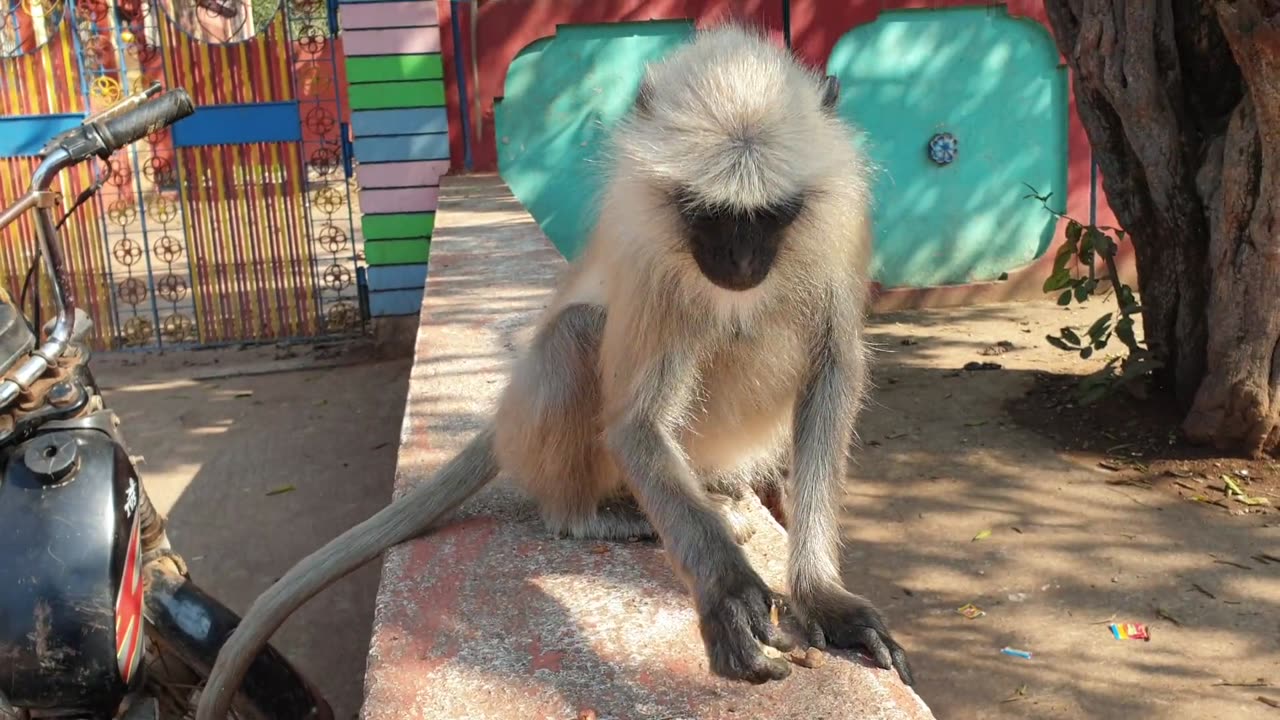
(129, 608)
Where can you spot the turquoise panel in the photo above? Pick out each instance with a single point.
(994, 83)
(561, 95)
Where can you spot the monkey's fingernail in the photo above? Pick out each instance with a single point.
(773, 613)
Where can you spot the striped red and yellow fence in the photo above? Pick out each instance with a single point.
(236, 224)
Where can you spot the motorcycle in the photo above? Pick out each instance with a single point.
(99, 617)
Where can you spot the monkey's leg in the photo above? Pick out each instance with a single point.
(824, 420)
(549, 437)
(733, 601)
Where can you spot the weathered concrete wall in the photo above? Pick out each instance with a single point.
(493, 618)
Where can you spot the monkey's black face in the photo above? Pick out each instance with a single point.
(735, 248)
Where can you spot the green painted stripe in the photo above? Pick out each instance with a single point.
(388, 68)
(398, 226)
(396, 252)
(384, 95)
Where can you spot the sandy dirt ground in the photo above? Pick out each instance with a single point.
(257, 470)
(943, 462)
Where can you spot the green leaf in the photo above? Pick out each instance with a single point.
(1100, 242)
(1082, 291)
(1085, 353)
(1058, 280)
(1233, 488)
(1074, 229)
(1063, 257)
(982, 535)
(1070, 336)
(1065, 298)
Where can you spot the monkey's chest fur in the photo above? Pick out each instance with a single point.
(741, 417)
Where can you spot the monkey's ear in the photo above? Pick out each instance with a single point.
(644, 98)
(830, 93)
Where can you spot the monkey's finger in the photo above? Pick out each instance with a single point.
(762, 627)
(780, 638)
(874, 645)
(817, 638)
(901, 665)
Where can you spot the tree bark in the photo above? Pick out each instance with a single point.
(1181, 103)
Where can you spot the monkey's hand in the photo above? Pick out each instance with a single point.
(841, 619)
(735, 617)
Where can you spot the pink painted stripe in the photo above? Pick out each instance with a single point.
(401, 174)
(405, 41)
(402, 200)
(363, 16)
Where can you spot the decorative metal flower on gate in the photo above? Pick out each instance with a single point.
(106, 88)
(332, 238)
(131, 291)
(328, 200)
(161, 209)
(943, 148)
(337, 277)
(137, 330)
(172, 288)
(167, 249)
(126, 251)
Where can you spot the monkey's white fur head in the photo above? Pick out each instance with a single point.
(732, 118)
(732, 121)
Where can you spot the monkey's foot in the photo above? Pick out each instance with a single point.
(844, 620)
(734, 619)
(615, 520)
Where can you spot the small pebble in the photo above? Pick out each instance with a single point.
(810, 658)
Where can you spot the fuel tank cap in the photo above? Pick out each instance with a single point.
(52, 457)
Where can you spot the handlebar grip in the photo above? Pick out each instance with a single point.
(140, 122)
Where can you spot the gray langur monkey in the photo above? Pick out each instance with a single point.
(710, 333)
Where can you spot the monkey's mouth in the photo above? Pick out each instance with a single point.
(730, 266)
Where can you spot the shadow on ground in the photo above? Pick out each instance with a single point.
(941, 462)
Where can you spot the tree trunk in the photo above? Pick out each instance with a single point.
(1181, 102)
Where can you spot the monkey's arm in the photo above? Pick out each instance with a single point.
(733, 601)
(823, 428)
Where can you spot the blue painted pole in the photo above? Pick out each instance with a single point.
(463, 108)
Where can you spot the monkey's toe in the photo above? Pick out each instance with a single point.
(613, 521)
(850, 622)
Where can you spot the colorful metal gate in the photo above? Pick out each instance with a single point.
(234, 225)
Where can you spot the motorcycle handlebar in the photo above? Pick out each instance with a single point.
(135, 124)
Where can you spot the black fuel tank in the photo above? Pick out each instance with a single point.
(70, 576)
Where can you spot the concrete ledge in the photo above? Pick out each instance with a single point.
(493, 618)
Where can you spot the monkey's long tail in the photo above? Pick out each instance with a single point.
(404, 519)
